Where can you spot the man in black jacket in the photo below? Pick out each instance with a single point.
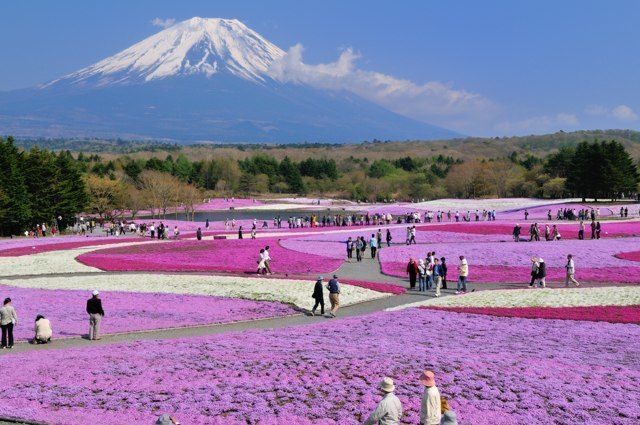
(95, 311)
(318, 295)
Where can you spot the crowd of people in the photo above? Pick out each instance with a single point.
(539, 272)
(431, 274)
(551, 233)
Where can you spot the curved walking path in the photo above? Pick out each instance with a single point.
(367, 270)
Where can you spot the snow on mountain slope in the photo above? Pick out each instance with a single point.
(196, 46)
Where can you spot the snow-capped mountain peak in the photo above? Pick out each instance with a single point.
(205, 46)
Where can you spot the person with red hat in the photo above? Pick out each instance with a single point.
(430, 408)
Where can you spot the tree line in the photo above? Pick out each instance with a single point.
(39, 186)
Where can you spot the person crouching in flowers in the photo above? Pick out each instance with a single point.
(43, 330)
(389, 409)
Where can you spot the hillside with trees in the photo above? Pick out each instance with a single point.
(39, 185)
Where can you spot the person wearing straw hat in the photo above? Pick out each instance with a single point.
(96, 313)
(430, 408)
(389, 409)
(318, 295)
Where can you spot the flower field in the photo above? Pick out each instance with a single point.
(130, 311)
(295, 292)
(217, 255)
(612, 314)
(595, 261)
(521, 371)
(61, 244)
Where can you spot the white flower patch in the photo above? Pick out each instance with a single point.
(511, 298)
(52, 262)
(296, 292)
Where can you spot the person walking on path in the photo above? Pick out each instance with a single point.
(96, 313)
(571, 270)
(199, 234)
(516, 233)
(8, 319)
(389, 409)
(542, 273)
(379, 239)
(430, 407)
(534, 271)
(422, 276)
(206, 224)
(412, 271)
(43, 331)
(240, 232)
(437, 275)
(463, 272)
(349, 249)
(443, 264)
(318, 296)
(267, 259)
(334, 295)
(388, 238)
(373, 244)
(581, 231)
(359, 249)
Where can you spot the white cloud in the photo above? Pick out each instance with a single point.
(164, 23)
(620, 112)
(540, 124)
(434, 102)
(624, 113)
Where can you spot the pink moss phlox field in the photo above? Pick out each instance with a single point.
(494, 370)
(130, 311)
(595, 260)
(567, 231)
(629, 256)
(230, 255)
(64, 245)
(612, 314)
(387, 288)
(540, 212)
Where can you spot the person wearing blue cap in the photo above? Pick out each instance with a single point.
(334, 295)
(318, 295)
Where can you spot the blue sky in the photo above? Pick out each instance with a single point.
(488, 68)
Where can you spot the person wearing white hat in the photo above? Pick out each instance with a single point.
(96, 313)
(430, 407)
(389, 409)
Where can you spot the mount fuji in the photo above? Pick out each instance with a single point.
(199, 80)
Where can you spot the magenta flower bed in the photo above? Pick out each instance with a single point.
(387, 288)
(595, 261)
(511, 274)
(629, 256)
(130, 311)
(612, 314)
(63, 245)
(230, 255)
(494, 370)
(567, 231)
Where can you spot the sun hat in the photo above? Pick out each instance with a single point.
(95, 292)
(428, 379)
(320, 277)
(387, 385)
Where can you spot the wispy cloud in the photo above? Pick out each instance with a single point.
(539, 124)
(620, 112)
(164, 23)
(434, 101)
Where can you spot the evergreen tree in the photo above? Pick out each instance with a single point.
(70, 189)
(15, 208)
(291, 176)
